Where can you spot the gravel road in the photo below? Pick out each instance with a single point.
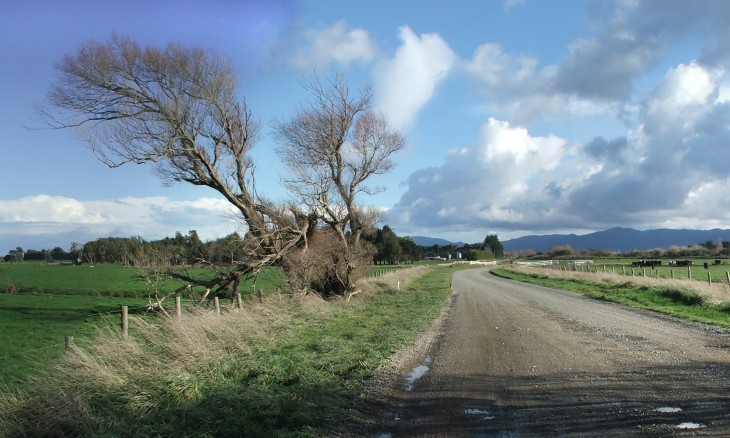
(516, 360)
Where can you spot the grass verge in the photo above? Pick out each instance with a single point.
(278, 368)
(668, 299)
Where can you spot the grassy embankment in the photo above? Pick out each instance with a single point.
(282, 367)
(693, 300)
(40, 304)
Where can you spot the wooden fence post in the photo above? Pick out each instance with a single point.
(217, 306)
(689, 272)
(727, 274)
(69, 342)
(709, 278)
(125, 321)
(238, 300)
(178, 307)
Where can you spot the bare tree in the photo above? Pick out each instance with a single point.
(176, 108)
(332, 147)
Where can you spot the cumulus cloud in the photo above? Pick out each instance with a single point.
(667, 171)
(599, 73)
(678, 149)
(477, 186)
(405, 83)
(48, 221)
(334, 43)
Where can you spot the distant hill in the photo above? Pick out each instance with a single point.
(431, 241)
(618, 239)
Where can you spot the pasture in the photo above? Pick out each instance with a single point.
(623, 266)
(42, 303)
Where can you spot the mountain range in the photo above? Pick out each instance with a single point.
(431, 241)
(613, 239)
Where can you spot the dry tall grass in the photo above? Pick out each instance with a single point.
(715, 293)
(113, 372)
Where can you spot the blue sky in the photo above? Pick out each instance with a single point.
(521, 116)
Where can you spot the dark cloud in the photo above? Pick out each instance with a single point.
(600, 149)
(605, 68)
(635, 39)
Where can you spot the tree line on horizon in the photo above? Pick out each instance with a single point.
(189, 249)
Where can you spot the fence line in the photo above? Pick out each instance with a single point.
(24, 352)
(585, 267)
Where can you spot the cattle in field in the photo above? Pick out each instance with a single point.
(647, 263)
(681, 263)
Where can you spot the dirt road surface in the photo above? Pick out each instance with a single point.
(516, 360)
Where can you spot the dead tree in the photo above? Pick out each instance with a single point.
(176, 108)
(332, 147)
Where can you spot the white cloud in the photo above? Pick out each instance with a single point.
(601, 74)
(683, 88)
(498, 69)
(407, 82)
(51, 221)
(509, 4)
(482, 185)
(334, 43)
(504, 144)
(44, 208)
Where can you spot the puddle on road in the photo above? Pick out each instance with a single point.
(668, 410)
(691, 426)
(483, 412)
(416, 374)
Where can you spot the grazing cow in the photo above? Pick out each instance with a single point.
(647, 263)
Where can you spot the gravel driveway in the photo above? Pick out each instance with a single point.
(517, 360)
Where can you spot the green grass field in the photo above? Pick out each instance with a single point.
(33, 327)
(100, 280)
(42, 303)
